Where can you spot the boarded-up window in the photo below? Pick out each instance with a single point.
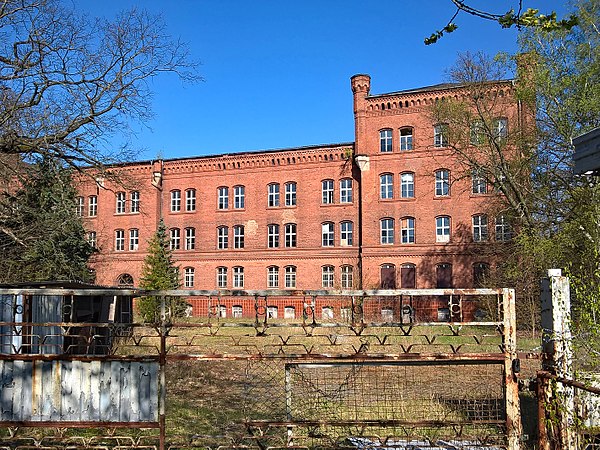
(408, 276)
(388, 276)
(481, 272)
(444, 275)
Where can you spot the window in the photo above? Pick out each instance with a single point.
(346, 233)
(440, 135)
(273, 277)
(385, 141)
(273, 235)
(326, 313)
(387, 231)
(92, 238)
(119, 240)
(238, 236)
(134, 206)
(190, 238)
(290, 194)
(272, 312)
(406, 139)
(79, 206)
(222, 311)
(327, 192)
(386, 185)
(190, 200)
(388, 276)
(221, 277)
(481, 272)
(238, 277)
(387, 314)
(237, 312)
(175, 242)
(290, 234)
(120, 206)
(477, 133)
(407, 186)
(290, 276)
(125, 280)
(407, 230)
(289, 312)
(443, 276)
(239, 193)
(327, 276)
(93, 205)
(176, 200)
(347, 280)
(222, 237)
(480, 228)
(188, 277)
(479, 183)
(327, 234)
(134, 239)
(408, 277)
(223, 197)
(503, 229)
(442, 183)
(273, 197)
(442, 229)
(501, 128)
(346, 190)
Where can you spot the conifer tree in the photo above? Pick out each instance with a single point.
(159, 272)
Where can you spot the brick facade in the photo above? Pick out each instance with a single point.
(354, 173)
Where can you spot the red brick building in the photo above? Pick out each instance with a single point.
(391, 210)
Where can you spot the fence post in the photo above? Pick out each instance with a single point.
(162, 381)
(557, 350)
(513, 408)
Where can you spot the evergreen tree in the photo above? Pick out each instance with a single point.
(41, 236)
(159, 272)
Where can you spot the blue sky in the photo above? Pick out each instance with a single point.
(277, 72)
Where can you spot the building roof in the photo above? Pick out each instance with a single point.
(434, 87)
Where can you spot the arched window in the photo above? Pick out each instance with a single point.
(406, 138)
(125, 280)
(407, 185)
(385, 140)
(442, 183)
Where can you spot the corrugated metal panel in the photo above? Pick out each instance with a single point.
(46, 308)
(11, 310)
(96, 391)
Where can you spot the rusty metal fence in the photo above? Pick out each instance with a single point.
(267, 369)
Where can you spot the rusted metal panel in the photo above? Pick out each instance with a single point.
(73, 391)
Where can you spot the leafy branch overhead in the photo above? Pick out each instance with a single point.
(530, 18)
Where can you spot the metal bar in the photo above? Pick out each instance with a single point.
(383, 422)
(511, 385)
(78, 424)
(162, 380)
(413, 359)
(541, 390)
(568, 382)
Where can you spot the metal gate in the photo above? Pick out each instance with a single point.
(273, 369)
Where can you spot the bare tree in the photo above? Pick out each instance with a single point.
(67, 82)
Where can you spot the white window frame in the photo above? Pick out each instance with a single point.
(501, 128)
(480, 228)
(440, 135)
(190, 200)
(189, 275)
(327, 276)
(479, 184)
(407, 185)
(346, 233)
(290, 277)
(222, 237)
(175, 200)
(386, 231)
(272, 277)
(406, 140)
(442, 228)
(223, 197)
(93, 205)
(134, 206)
(290, 193)
(239, 197)
(386, 140)
(503, 231)
(386, 186)
(237, 311)
(442, 183)
(222, 277)
(92, 238)
(238, 277)
(327, 192)
(273, 235)
(407, 230)
(79, 206)
(174, 239)
(327, 234)
(120, 202)
(346, 190)
(134, 239)
(273, 195)
(119, 240)
(190, 238)
(347, 277)
(238, 236)
(291, 235)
